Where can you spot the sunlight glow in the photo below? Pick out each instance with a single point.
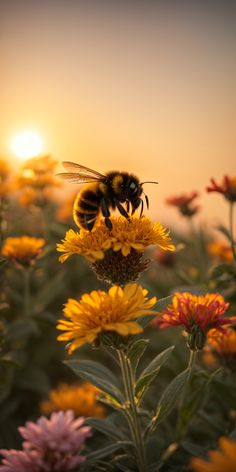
(26, 144)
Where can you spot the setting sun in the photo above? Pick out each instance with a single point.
(26, 144)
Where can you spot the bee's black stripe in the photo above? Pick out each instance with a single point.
(85, 207)
(90, 196)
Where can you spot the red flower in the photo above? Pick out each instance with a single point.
(197, 313)
(227, 188)
(184, 203)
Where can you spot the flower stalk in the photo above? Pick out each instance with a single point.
(131, 409)
(26, 298)
(231, 208)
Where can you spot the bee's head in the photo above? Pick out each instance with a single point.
(134, 189)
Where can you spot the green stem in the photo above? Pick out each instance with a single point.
(231, 207)
(134, 423)
(191, 362)
(27, 293)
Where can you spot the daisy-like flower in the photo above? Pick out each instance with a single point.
(36, 179)
(226, 188)
(116, 255)
(50, 445)
(23, 250)
(100, 312)
(222, 460)
(197, 313)
(184, 203)
(220, 251)
(82, 399)
(223, 346)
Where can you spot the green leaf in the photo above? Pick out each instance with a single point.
(160, 306)
(171, 396)
(226, 232)
(98, 375)
(106, 427)
(150, 372)
(158, 361)
(136, 352)
(106, 451)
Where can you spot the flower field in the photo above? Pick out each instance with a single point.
(117, 345)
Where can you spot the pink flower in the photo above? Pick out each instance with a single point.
(51, 445)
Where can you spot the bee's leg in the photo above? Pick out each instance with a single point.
(122, 210)
(141, 211)
(127, 206)
(106, 213)
(147, 201)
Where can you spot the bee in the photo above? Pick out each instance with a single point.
(102, 193)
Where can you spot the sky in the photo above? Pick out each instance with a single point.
(146, 87)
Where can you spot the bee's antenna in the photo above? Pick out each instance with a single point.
(149, 182)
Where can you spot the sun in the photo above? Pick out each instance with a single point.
(26, 144)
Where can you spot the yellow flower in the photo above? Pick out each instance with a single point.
(124, 236)
(82, 399)
(89, 244)
(138, 235)
(23, 250)
(223, 460)
(100, 312)
(220, 251)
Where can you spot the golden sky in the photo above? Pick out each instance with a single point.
(136, 86)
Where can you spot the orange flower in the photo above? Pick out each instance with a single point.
(218, 250)
(82, 399)
(226, 188)
(184, 203)
(23, 250)
(223, 345)
(223, 460)
(197, 313)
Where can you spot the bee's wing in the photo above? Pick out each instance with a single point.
(78, 169)
(77, 178)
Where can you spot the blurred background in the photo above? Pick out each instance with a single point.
(147, 87)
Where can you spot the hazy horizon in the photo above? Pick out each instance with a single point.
(145, 87)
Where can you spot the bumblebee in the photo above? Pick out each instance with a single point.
(102, 193)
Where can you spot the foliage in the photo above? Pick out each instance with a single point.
(155, 399)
